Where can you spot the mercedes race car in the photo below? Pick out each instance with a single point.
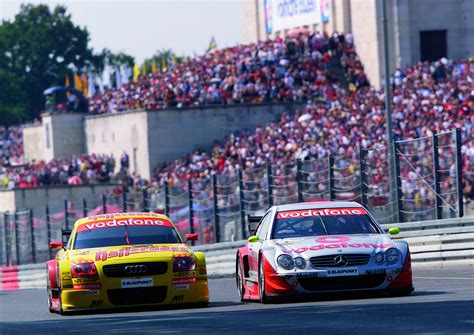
(315, 248)
(123, 260)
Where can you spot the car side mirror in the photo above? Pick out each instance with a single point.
(394, 231)
(56, 245)
(191, 237)
(253, 239)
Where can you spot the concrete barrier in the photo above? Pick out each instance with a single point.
(432, 243)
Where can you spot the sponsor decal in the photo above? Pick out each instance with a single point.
(97, 303)
(184, 274)
(201, 278)
(141, 282)
(320, 212)
(92, 292)
(343, 272)
(177, 298)
(184, 280)
(300, 275)
(335, 242)
(202, 271)
(87, 286)
(180, 287)
(67, 277)
(85, 280)
(124, 252)
(123, 222)
(383, 271)
(126, 215)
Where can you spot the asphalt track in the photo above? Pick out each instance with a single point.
(443, 303)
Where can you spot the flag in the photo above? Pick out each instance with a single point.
(105, 83)
(77, 82)
(153, 65)
(163, 64)
(85, 85)
(66, 81)
(91, 87)
(144, 69)
(125, 74)
(136, 73)
(174, 60)
(212, 44)
(118, 77)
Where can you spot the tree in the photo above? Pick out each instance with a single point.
(12, 99)
(38, 48)
(163, 58)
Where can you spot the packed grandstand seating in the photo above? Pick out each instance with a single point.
(343, 112)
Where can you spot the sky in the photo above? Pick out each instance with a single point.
(139, 28)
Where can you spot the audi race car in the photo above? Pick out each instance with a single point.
(314, 248)
(123, 260)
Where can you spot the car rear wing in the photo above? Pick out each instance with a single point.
(65, 234)
(252, 223)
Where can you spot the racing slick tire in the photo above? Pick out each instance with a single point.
(239, 278)
(50, 293)
(261, 282)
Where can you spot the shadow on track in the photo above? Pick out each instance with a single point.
(402, 316)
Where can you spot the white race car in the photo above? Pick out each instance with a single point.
(312, 248)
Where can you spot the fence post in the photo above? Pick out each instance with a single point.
(66, 219)
(398, 181)
(124, 201)
(9, 239)
(48, 227)
(84, 207)
(104, 204)
(242, 203)
(270, 184)
(167, 199)
(216, 208)
(3, 241)
(17, 242)
(459, 172)
(362, 178)
(145, 199)
(332, 195)
(437, 186)
(299, 166)
(33, 242)
(191, 210)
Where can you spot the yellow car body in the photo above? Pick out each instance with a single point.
(125, 275)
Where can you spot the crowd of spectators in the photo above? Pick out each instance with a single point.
(295, 68)
(11, 145)
(76, 170)
(427, 98)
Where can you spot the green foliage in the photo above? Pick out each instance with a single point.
(163, 57)
(12, 99)
(38, 48)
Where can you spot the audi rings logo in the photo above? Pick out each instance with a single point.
(134, 269)
(340, 260)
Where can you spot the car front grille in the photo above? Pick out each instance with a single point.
(341, 283)
(137, 296)
(329, 262)
(135, 269)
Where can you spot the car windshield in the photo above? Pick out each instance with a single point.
(316, 222)
(123, 235)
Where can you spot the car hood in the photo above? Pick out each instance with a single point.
(125, 253)
(331, 244)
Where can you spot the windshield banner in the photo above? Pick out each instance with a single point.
(320, 212)
(123, 222)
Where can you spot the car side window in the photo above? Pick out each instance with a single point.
(263, 227)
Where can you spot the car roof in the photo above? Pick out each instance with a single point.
(121, 216)
(318, 205)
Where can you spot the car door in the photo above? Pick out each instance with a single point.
(255, 247)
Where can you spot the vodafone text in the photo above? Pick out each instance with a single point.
(321, 212)
(123, 222)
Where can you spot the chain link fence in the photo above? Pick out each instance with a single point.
(429, 186)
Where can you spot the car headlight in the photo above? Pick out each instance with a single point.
(300, 263)
(286, 262)
(379, 258)
(392, 256)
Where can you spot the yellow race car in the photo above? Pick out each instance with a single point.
(123, 260)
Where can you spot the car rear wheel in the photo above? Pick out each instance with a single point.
(239, 278)
(49, 292)
(261, 283)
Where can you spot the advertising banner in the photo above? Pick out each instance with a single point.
(289, 14)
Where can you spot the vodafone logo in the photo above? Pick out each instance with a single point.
(320, 212)
(123, 222)
(333, 239)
